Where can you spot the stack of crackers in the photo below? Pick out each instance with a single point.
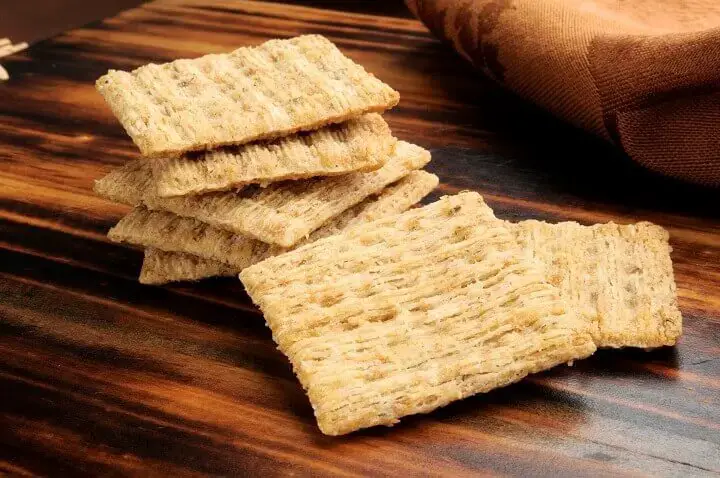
(248, 154)
(273, 163)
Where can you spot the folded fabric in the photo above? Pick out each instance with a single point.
(644, 74)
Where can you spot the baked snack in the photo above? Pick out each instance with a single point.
(361, 144)
(618, 278)
(252, 93)
(223, 251)
(161, 267)
(408, 313)
(282, 213)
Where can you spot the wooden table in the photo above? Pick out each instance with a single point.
(100, 374)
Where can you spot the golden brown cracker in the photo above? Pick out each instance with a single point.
(160, 267)
(286, 212)
(618, 278)
(252, 93)
(361, 144)
(409, 313)
(168, 232)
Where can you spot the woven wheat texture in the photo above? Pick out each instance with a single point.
(128, 184)
(618, 278)
(252, 93)
(361, 144)
(408, 313)
(222, 249)
(161, 267)
(284, 213)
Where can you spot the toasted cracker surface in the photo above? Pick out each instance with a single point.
(160, 267)
(252, 93)
(394, 199)
(618, 278)
(166, 231)
(170, 232)
(284, 213)
(128, 184)
(361, 144)
(409, 313)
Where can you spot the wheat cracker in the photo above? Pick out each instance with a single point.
(361, 144)
(160, 267)
(409, 313)
(129, 184)
(252, 93)
(171, 233)
(282, 213)
(619, 278)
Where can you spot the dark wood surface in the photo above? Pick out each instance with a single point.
(101, 375)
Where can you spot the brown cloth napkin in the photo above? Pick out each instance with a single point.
(644, 74)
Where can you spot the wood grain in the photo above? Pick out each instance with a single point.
(100, 375)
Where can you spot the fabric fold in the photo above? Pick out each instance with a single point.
(642, 74)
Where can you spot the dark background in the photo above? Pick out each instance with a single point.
(34, 20)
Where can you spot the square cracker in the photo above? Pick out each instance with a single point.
(618, 278)
(409, 313)
(160, 267)
(168, 232)
(283, 213)
(252, 93)
(128, 184)
(360, 144)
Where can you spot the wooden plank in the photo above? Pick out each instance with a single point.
(102, 375)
